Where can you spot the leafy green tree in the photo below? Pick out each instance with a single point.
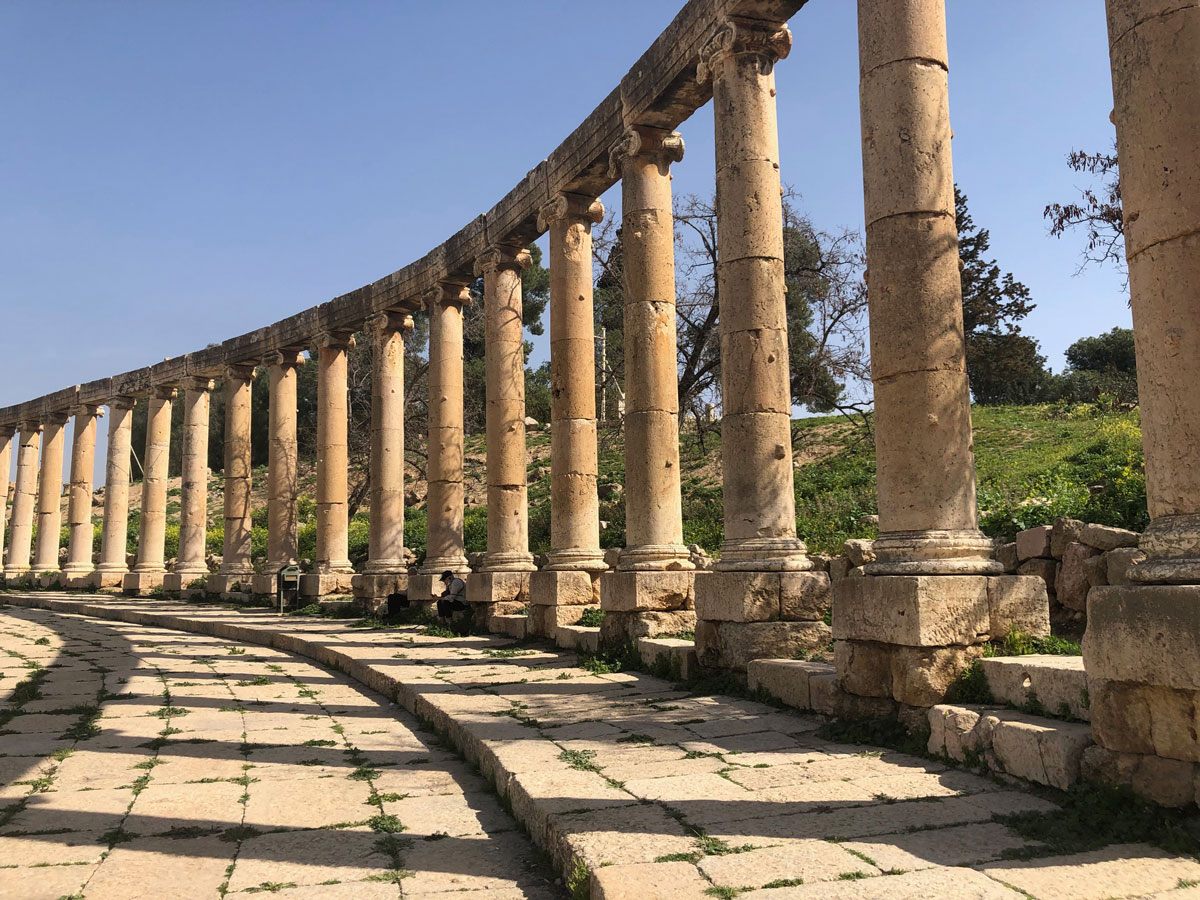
(1097, 212)
(1100, 367)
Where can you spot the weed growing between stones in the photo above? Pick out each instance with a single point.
(887, 733)
(971, 686)
(591, 618)
(579, 881)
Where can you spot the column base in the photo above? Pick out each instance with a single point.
(323, 584)
(229, 582)
(576, 560)
(435, 567)
(646, 604)
(182, 581)
(544, 620)
(508, 562)
(1172, 545)
(264, 584)
(764, 555)
(142, 582)
(494, 594)
(47, 578)
(909, 637)
(106, 578)
(378, 586)
(655, 558)
(14, 577)
(966, 552)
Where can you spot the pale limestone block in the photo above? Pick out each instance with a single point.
(1006, 555)
(1072, 584)
(1045, 569)
(1146, 634)
(578, 637)
(1143, 718)
(649, 881)
(785, 679)
(1105, 537)
(1118, 563)
(1119, 870)
(498, 587)
(864, 667)
(1018, 602)
(566, 588)
(646, 591)
(811, 860)
(915, 610)
(952, 731)
(1034, 543)
(628, 627)
(1064, 531)
(922, 675)
(739, 597)
(804, 596)
(676, 650)
(859, 552)
(1059, 683)
(1040, 750)
(736, 643)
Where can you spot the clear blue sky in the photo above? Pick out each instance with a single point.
(173, 174)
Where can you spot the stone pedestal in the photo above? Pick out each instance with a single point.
(315, 585)
(379, 587)
(78, 569)
(229, 584)
(497, 593)
(263, 585)
(49, 518)
(646, 604)
(559, 598)
(236, 567)
(424, 588)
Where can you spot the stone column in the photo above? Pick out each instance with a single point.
(444, 504)
(386, 570)
(50, 487)
(20, 537)
(6, 436)
(760, 602)
(282, 461)
(654, 573)
(193, 501)
(78, 570)
(112, 568)
(924, 458)
(236, 571)
(502, 582)
(150, 568)
(333, 569)
(1142, 646)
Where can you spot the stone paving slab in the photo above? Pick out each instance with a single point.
(653, 791)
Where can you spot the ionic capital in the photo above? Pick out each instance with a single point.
(446, 293)
(576, 207)
(288, 358)
(769, 41)
(124, 403)
(239, 372)
(390, 321)
(29, 426)
(664, 147)
(502, 256)
(59, 417)
(335, 340)
(89, 409)
(164, 391)
(197, 384)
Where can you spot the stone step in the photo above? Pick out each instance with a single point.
(1033, 748)
(788, 680)
(515, 625)
(679, 656)
(1053, 686)
(341, 607)
(578, 637)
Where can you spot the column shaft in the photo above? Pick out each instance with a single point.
(388, 331)
(6, 443)
(1155, 55)
(756, 437)
(924, 458)
(333, 547)
(282, 460)
(153, 529)
(79, 509)
(508, 506)
(235, 559)
(653, 507)
(193, 507)
(45, 557)
(575, 506)
(444, 541)
(20, 538)
(115, 531)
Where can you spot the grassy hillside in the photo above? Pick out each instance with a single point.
(1034, 463)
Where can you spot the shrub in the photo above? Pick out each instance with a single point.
(214, 539)
(475, 529)
(414, 531)
(359, 538)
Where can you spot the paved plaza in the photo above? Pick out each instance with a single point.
(146, 761)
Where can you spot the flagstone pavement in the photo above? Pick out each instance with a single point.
(199, 751)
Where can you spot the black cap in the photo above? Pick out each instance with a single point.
(447, 575)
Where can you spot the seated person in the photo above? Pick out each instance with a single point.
(454, 597)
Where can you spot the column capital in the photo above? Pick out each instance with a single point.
(288, 357)
(335, 340)
(390, 320)
(664, 146)
(59, 417)
(579, 207)
(242, 371)
(446, 293)
(87, 409)
(124, 402)
(503, 256)
(769, 41)
(28, 426)
(164, 391)
(197, 383)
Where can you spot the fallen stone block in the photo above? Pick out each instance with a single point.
(1073, 585)
(1105, 537)
(1118, 563)
(1064, 531)
(1034, 542)
(1018, 602)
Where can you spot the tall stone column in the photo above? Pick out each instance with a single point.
(444, 547)
(932, 562)
(652, 590)
(333, 569)
(193, 501)
(6, 442)
(150, 567)
(50, 487)
(282, 474)
(78, 570)
(112, 568)
(236, 570)
(761, 601)
(20, 536)
(1142, 646)
(386, 571)
(502, 582)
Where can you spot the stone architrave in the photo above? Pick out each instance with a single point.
(386, 571)
(50, 488)
(193, 499)
(756, 442)
(926, 466)
(112, 568)
(20, 531)
(6, 442)
(78, 569)
(332, 564)
(282, 474)
(150, 567)
(444, 548)
(237, 569)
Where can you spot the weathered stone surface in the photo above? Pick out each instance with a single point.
(864, 667)
(859, 552)
(915, 610)
(731, 645)
(1097, 570)
(647, 591)
(762, 596)
(1146, 718)
(785, 679)
(1117, 871)
(921, 675)
(1006, 555)
(550, 588)
(649, 881)
(1118, 563)
(1105, 537)
(1146, 634)
(677, 654)
(1072, 585)
(1057, 683)
(627, 627)
(1018, 602)
(953, 732)
(498, 587)
(1034, 542)
(1168, 782)
(1040, 751)
(1045, 569)
(1064, 531)
(804, 596)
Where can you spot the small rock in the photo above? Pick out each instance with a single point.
(869, 521)
(1097, 570)
(531, 422)
(859, 551)
(1033, 543)
(611, 490)
(820, 562)
(1105, 537)
(612, 557)
(1064, 532)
